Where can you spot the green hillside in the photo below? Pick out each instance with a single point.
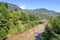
(42, 12)
(14, 21)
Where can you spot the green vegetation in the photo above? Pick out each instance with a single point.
(12, 22)
(52, 30)
(43, 13)
(16, 20)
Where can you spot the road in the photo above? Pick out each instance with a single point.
(30, 34)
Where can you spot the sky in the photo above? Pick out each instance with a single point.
(36, 4)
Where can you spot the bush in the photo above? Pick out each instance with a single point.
(3, 32)
(12, 22)
(52, 30)
(13, 31)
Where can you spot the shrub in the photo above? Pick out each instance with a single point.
(52, 30)
(3, 32)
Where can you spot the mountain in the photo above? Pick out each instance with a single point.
(13, 7)
(43, 12)
(40, 12)
(10, 6)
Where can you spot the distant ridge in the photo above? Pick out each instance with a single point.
(43, 12)
(11, 7)
(40, 12)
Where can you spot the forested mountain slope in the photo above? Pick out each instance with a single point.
(42, 12)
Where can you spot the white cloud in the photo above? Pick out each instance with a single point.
(23, 6)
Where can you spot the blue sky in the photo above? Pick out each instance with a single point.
(34, 4)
